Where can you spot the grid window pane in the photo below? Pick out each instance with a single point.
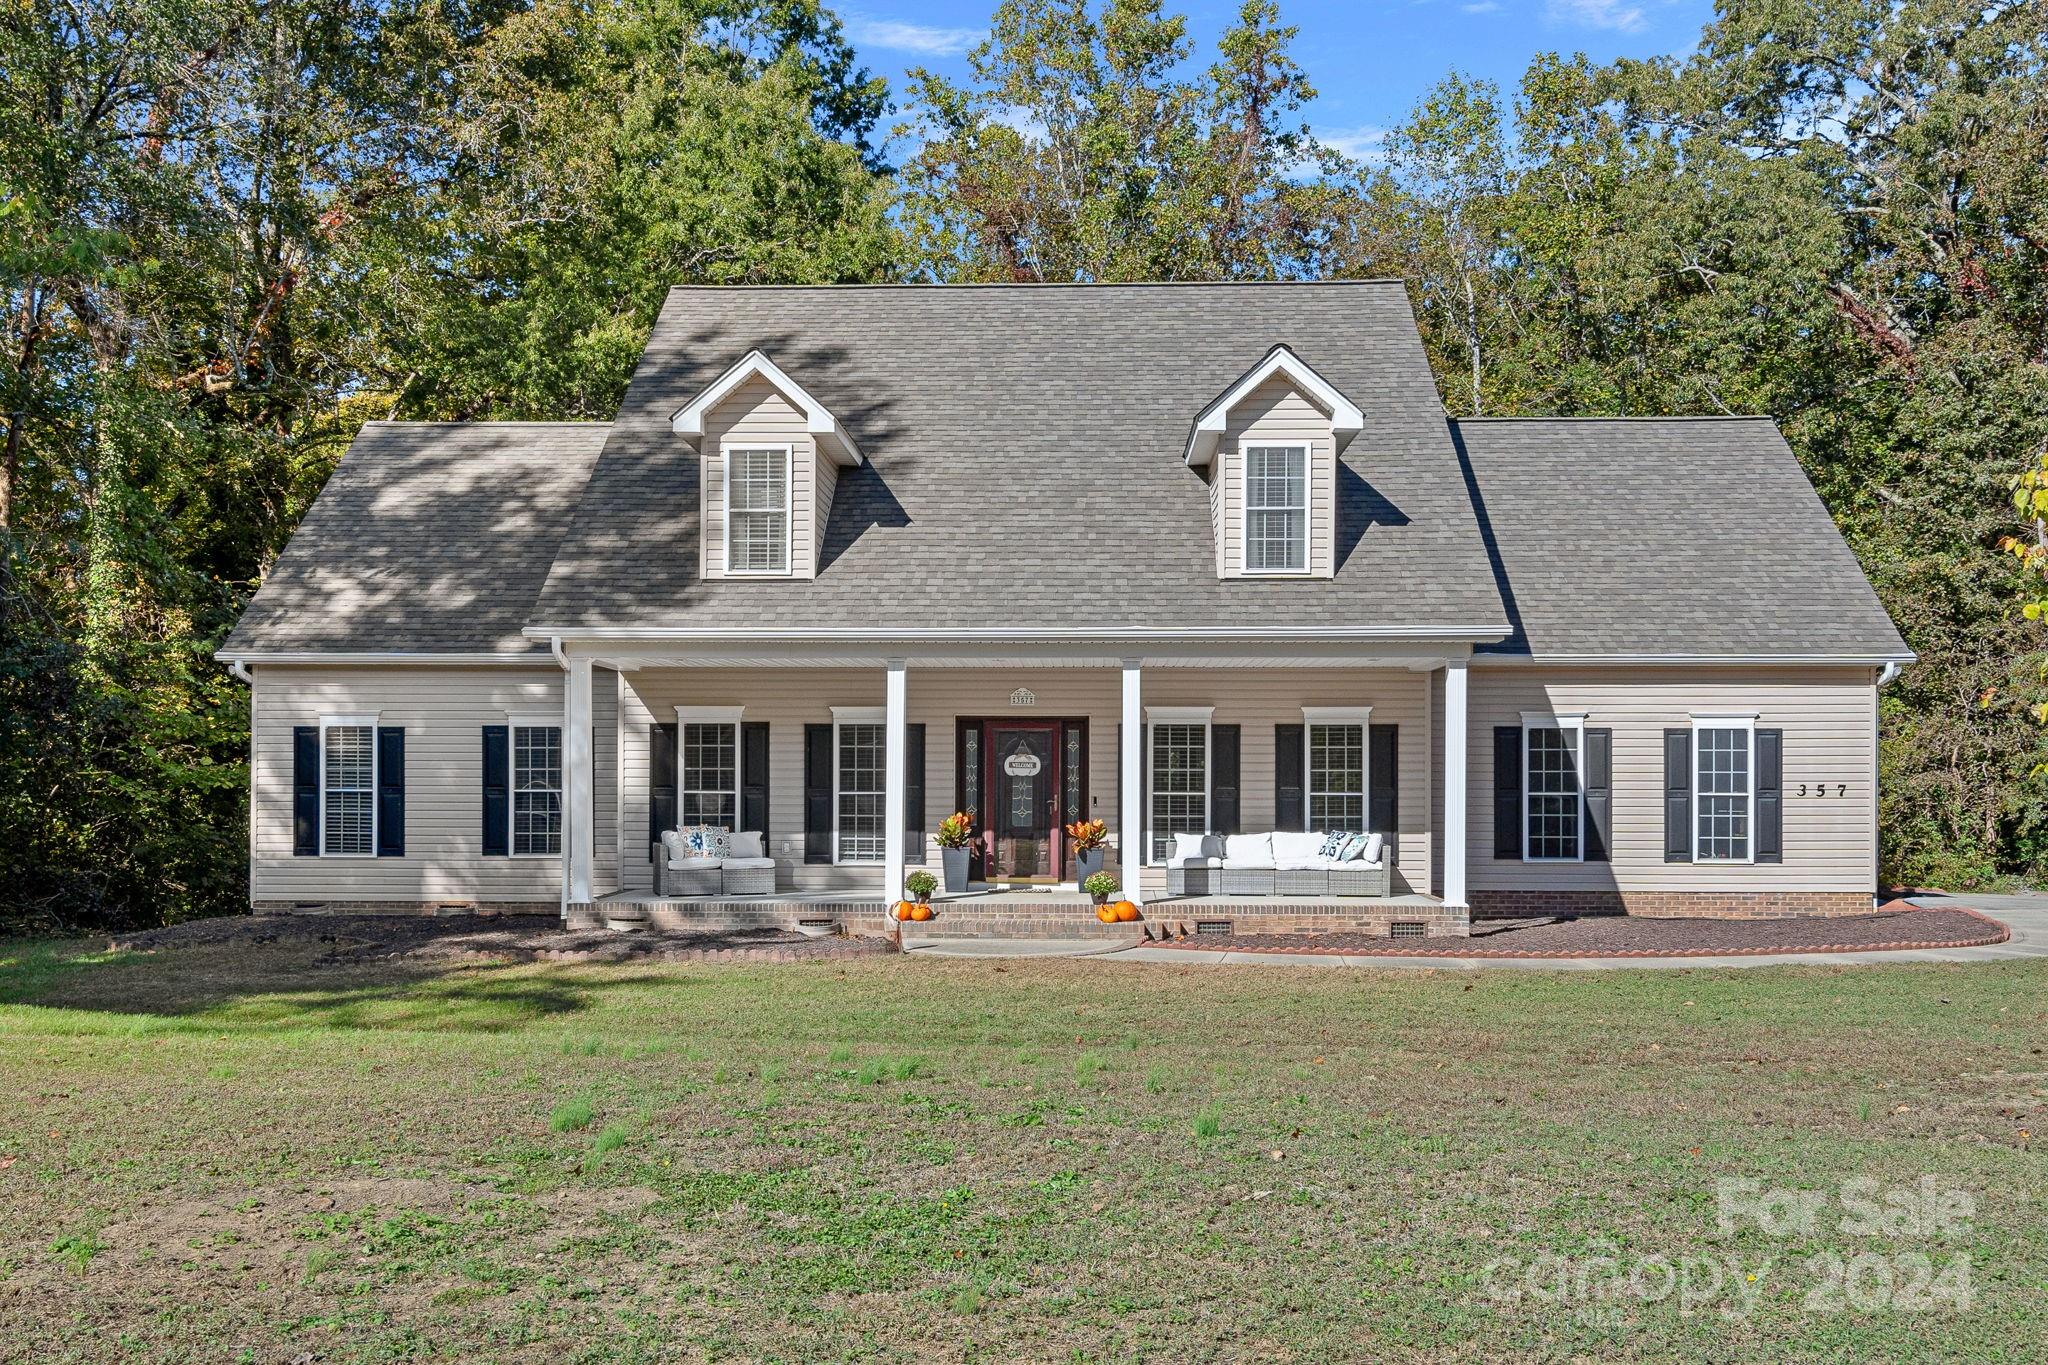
(1336, 777)
(1180, 784)
(1552, 788)
(711, 774)
(1276, 508)
(348, 816)
(862, 829)
(1724, 794)
(536, 789)
(758, 499)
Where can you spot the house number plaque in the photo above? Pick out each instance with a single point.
(1023, 696)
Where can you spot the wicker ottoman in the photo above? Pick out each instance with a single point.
(701, 877)
(1193, 881)
(1247, 881)
(749, 876)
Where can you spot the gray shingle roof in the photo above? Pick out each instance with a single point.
(1666, 536)
(429, 537)
(1026, 466)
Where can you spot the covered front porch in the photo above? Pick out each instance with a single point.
(845, 765)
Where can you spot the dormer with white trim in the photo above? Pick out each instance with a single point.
(769, 455)
(1268, 446)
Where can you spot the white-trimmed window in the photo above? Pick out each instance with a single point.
(708, 765)
(1179, 764)
(1276, 509)
(860, 740)
(1336, 766)
(757, 493)
(1553, 788)
(1724, 787)
(348, 786)
(536, 788)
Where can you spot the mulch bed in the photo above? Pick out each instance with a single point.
(1626, 936)
(350, 939)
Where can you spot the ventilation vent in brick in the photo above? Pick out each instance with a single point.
(814, 924)
(1218, 927)
(1407, 928)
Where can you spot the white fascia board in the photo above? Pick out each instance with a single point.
(1418, 634)
(818, 420)
(311, 656)
(1346, 421)
(1483, 660)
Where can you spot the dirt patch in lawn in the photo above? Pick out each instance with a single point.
(349, 940)
(1627, 936)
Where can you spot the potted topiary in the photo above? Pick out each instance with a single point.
(1086, 838)
(954, 833)
(1101, 886)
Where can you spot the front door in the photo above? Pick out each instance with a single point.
(1023, 802)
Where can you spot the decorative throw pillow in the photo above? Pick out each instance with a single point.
(717, 842)
(697, 839)
(1333, 844)
(1375, 845)
(673, 844)
(1190, 847)
(1354, 848)
(747, 844)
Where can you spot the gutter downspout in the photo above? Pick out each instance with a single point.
(239, 669)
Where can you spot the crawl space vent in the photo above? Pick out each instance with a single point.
(1219, 927)
(1406, 929)
(814, 924)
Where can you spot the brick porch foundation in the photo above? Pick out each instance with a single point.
(1673, 904)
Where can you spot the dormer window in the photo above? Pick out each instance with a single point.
(1276, 509)
(757, 509)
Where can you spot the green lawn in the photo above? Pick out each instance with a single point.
(238, 1154)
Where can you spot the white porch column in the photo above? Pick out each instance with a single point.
(896, 738)
(1130, 829)
(579, 829)
(1455, 735)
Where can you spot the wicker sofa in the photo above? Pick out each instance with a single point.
(1282, 863)
(747, 872)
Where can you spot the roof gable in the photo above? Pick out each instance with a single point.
(832, 438)
(1213, 421)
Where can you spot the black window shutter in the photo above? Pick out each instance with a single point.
(1290, 806)
(1599, 789)
(1225, 742)
(1507, 791)
(754, 778)
(1770, 796)
(1383, 748)
(497, 790)
(913, 793)
(305, 791)
(818, 793)
(390, 791)
(1678, 796)
(662, 813)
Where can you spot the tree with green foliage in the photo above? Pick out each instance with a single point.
(1080, 151)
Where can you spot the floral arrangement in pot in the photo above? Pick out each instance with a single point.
(920, 885)
(1101, 886)
(1085, 839)
(956, 831)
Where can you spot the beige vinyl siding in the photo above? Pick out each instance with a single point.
(756, 413)
(1277, 413)
(1828, 720)
(788, 699)
(443, 712)
(827, 483)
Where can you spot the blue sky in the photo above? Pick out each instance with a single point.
(1370, 61)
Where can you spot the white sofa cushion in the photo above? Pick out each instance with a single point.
(1247, 851)
(1375, 845)
(1196, 846)
(747, 844)
(1196, 862)
(1297, 851)
(746, 864)
(672, 845)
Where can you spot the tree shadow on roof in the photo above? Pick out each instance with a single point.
(1359, 506)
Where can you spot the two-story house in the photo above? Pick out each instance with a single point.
(1191, 559)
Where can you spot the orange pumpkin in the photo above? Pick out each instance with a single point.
(906, 910)
(1125, 912)
(920, 912)
(1106, 913)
